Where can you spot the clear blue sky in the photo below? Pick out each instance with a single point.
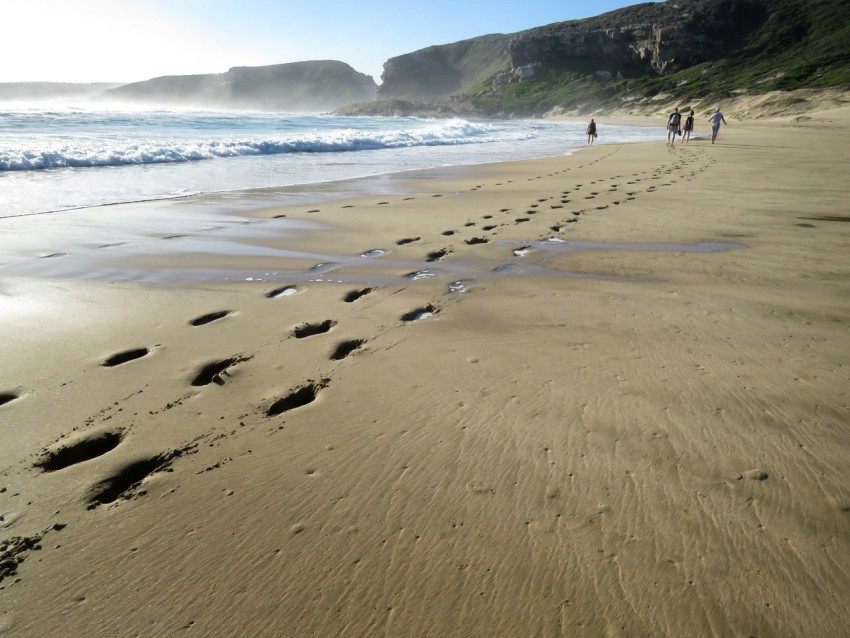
(129, 40)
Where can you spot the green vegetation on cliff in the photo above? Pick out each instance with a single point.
(309, 86)
(635, 58)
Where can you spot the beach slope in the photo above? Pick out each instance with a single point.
(628, 417)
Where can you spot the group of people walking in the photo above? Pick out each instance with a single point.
(675, 126)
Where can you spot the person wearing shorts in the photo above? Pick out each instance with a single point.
(591, 132)
(689, 127)
(673, 121)
(715, 119)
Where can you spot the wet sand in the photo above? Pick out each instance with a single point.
(602, 395)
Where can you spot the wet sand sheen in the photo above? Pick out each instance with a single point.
(619, 416)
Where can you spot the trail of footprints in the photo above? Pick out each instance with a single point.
(127, 481)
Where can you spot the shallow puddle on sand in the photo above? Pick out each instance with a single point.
(332, 268)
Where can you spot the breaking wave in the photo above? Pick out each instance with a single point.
(111, 150)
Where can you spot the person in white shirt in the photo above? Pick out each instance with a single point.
(715, 119)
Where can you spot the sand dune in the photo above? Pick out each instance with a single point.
(602, 395)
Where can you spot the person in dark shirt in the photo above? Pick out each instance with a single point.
(689, 127)
(591, 132)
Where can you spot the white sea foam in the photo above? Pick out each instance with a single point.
(84, 151)
(68, 157)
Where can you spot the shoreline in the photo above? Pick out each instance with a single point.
(548, 456)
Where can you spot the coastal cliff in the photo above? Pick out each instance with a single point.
(637, 59)
(650, 38)
(298, 86)
(440, 71)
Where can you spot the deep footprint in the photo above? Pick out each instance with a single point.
(124, 357)
(407, 240)
(80, 451)
(297, 398)
(346, 348)
(437, 255)
(114, 487)
(310, 329)
(6, 397)
(420, 313)
(353, 295)
(211, 372)
(476, 240)
(209, 318)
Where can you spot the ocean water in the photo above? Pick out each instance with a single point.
(61, 158)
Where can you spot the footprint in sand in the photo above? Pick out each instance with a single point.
(126, 480)
(476, 240)
(353, 295)
(125, 356)
(345, 348)
(298, 397)
(419, 275)
(212, 372)
(209, 318)
(520, 220)
(407, 240)
(374, 252)
(491, 227)
(420, 313)
(7, 397)
(448, 233)
(311, 329)
(79, 451)
(284, 291)
(437, 255)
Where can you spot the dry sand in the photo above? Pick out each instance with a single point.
(617, 441)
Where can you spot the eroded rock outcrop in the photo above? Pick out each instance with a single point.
(650, 38)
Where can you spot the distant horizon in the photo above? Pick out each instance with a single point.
(126, 41)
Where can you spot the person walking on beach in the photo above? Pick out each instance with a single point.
(591, 132)
(673, 122)
(689, 126)
(715, 119)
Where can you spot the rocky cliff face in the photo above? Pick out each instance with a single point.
(442, 70)
(649, 38)
(652, 38)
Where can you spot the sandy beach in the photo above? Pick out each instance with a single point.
(603, 394)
